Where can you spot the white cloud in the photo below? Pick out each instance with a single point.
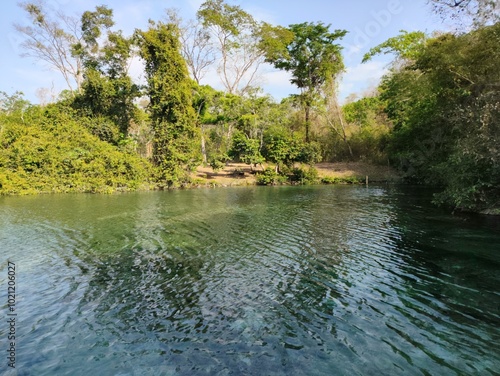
(360, 77)
(366, 71)
(277, 78)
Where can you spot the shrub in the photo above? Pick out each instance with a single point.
(270, 177)
(304, 175)
(45, 156)
(341, 180)
(330, 180)
(218, 162)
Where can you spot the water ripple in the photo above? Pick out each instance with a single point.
(286, 281)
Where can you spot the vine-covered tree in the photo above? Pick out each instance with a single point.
(176, 148)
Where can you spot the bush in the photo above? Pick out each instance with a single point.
(310, 153)
(218, 162)
(54, 153)
(330, 180)
(304, 176)
(343, 180)
(270, 177)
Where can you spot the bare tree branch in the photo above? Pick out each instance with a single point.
(196, 45)
(468, 13)
(51, 41)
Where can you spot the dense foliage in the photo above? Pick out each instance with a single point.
(446, 114)
(48, 150)
(435, 116)
(170, 103)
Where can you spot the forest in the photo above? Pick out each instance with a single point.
(435, 116)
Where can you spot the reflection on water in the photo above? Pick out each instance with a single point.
(257, 281)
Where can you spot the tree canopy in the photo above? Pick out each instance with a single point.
(434, 116)
(312, 57)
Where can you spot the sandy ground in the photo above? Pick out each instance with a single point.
(241, 174)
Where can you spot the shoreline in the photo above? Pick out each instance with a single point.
(240, 174)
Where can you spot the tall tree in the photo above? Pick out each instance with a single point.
(236, 34)
(50, 38)
(169, 89)
(93, 25)
(313, 58)
(107, 89)
(333, 115)
(196, 45)
(407, 46)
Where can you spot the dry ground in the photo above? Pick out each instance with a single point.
(360, 170)
(235, 174)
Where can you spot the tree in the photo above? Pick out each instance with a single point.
(332, 113)
(203, 97)
(105, 101)
(107, 89)
(92, 26)
(169, 91)
(407, 47)
(444, 106)
(14, 103)
(313, 58)
(245, 149)
(281, 148)
(237, 36)
(50, 40)
(196, 45)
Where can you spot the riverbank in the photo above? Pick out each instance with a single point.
(240, 174)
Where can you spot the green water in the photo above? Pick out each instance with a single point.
(250, 281)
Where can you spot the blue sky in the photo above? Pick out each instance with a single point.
(369, 22)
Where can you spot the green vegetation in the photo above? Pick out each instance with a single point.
(443, 102)
(170, 103)
(270, 177)
(47, 150)
(435, 115)
(313, 58)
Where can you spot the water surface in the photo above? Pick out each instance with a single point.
(251, 281)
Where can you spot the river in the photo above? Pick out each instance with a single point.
(314, 280)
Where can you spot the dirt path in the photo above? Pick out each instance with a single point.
(237, 174)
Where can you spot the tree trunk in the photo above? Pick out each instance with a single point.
(344, 135)
(203, 147)
(308, 108)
